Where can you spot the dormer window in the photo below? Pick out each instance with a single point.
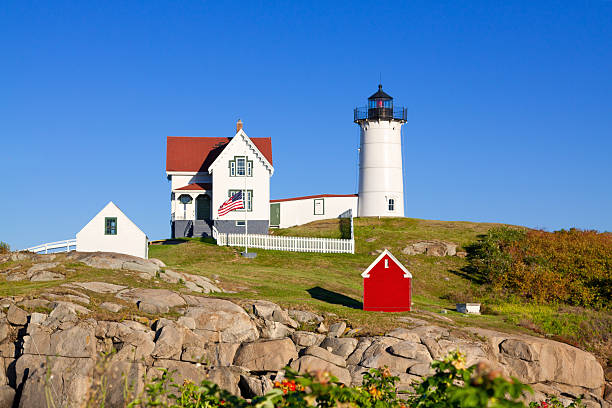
(241, 167)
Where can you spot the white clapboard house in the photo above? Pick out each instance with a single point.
(206, 171)
(112, 231)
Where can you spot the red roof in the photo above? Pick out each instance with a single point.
(195, 154)
(197, 186)
(313, 196)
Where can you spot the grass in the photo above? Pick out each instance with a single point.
(331, 284)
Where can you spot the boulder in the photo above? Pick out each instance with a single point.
(199, 283)
(264, 308)
(404, 334)
(227, 378)
(69, 305)
(137, 345)
(303, 316)
(188, 322)
(111, 260)
(323, 354)
(44, 276)
(169, 343)
(270, 355)
(170, 276)
(124, 381)
(16, 277)
(254, 387)
(152, 300)
(431, 247)
(40, 268)
(312, 364)
(16, 316)
(215, 355)
(274, 330)
(421, 369)
(411, 350)
(77, 342)
(536, 360)
(306, 339)
(5, 330)
(362, 345)
(181, 371)
(100, 287)
(7, 396)
(157, 262)
(222, 321)
(340, 346)
(111, 307)
(68, 386)
(337, 329)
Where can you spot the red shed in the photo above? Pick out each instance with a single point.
(387, 285)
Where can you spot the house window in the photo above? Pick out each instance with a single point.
(240, 223)
(110, 226)
(319, 206)
(391, 204)
(248, 198)
(386, 263)
(240, 167)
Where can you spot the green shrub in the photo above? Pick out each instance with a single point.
(572, 267)
(4, 248)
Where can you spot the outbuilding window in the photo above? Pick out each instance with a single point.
(391, 204)
(110, 226)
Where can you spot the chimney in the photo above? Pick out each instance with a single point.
(238, 126)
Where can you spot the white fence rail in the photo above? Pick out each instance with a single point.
(281, 243)
(45, 248)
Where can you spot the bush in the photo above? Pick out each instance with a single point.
(4, 248)
(452, 385)
(572, 267)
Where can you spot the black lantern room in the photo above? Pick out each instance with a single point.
(380, 107)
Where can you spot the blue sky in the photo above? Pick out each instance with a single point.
(509, 104)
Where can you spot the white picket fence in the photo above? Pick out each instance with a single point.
(46, 247)
(280, 243)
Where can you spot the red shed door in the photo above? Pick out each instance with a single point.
(387, 289)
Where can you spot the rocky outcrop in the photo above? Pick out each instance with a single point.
(431, 247)
(244, 349)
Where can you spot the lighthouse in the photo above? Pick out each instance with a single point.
(381, 176)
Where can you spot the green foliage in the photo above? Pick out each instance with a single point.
(553, 402)
(452, 386)
(572, 267)
(4, 248)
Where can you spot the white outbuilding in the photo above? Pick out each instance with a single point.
(112, 231)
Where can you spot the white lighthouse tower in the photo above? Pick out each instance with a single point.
(381, 177)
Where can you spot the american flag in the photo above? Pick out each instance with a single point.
(235, 202)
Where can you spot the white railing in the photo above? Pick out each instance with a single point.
(280, 243)
(215, 233)
(67, 244)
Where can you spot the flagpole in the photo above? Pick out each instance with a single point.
(246, 208)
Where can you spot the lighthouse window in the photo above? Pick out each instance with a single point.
(391, 204)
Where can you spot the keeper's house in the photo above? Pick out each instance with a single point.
(205, 171)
